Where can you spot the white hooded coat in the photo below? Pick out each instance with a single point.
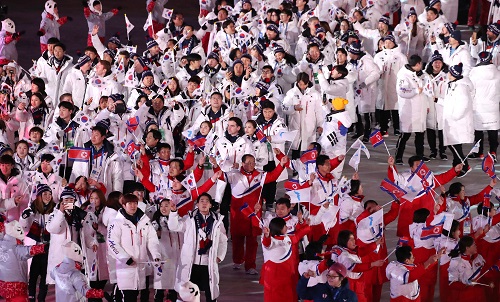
(485, 105)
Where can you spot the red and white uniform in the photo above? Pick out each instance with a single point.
(425, 200)
(246, 187)
(424, 248)
(404, 281)
(280, 270)
(464, 270)
(444, 263)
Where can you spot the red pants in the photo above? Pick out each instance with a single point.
(244, 250)
(483, 17)
(89, 40)
(358, 287)
(43, 47)
(443, 283)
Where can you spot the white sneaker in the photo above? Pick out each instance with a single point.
(252, 271)
(236, 266)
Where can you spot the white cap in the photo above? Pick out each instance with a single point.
(14, 229)
(73, 251)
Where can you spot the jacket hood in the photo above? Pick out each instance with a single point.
(485, 72)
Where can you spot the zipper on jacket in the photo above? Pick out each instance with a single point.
(132, 237)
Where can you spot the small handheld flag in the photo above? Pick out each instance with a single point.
(392, 189)
(376, 138)
(79, 154)
(132, 147)
(167, 13)
(488, 166)
(309, 156)
(301, 195)
(132, 124)
(198, 142)
(129, 26)
(260, 135)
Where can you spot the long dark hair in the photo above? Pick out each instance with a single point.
(463, 244)
(343, 238)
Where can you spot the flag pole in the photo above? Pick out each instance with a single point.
(389, 203)
(393, 251)
(483, 274)
(128, 37)
(387, 148)
(470, 152)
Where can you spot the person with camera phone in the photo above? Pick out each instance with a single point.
(68, 223)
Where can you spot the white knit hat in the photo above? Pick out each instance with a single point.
(73, 251)
(14, 229)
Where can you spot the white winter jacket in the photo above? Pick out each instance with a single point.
(125, 241)
(412, 105)
(485, 105)
(189, 248)
(308, 119)
(458, 126)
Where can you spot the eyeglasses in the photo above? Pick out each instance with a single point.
(332, 277)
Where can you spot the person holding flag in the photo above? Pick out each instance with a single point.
(336, 124)
(459, 204)
(425, 198)
(246, 185)
(351, 205)
(423, 233)
(155, 8)
(375, 278)
(271, 125)
(466, 265)
(305, 113)
(405, 275)
(485, 210)
(104, 166)
(280, 269)
(346, 252)
(259, 142)
(448, 241)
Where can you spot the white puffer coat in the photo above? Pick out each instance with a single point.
(458, 126)
(125, 241)
(486, 81)
(390, 62)
(308, 119)
(412, 105)
(367, 73)
(188, 251)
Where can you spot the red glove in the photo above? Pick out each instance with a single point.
(94, 294)
(62, 20)
(86, 12)
(115, 11)
(37, 249)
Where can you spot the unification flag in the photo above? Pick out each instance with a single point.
(79, 154)
(355, 159)
(376, 138)
(301, 195)
(371, 228)
(286, 136)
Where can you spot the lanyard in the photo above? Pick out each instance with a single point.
(98, 154)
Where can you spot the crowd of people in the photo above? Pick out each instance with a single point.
(122, 172)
